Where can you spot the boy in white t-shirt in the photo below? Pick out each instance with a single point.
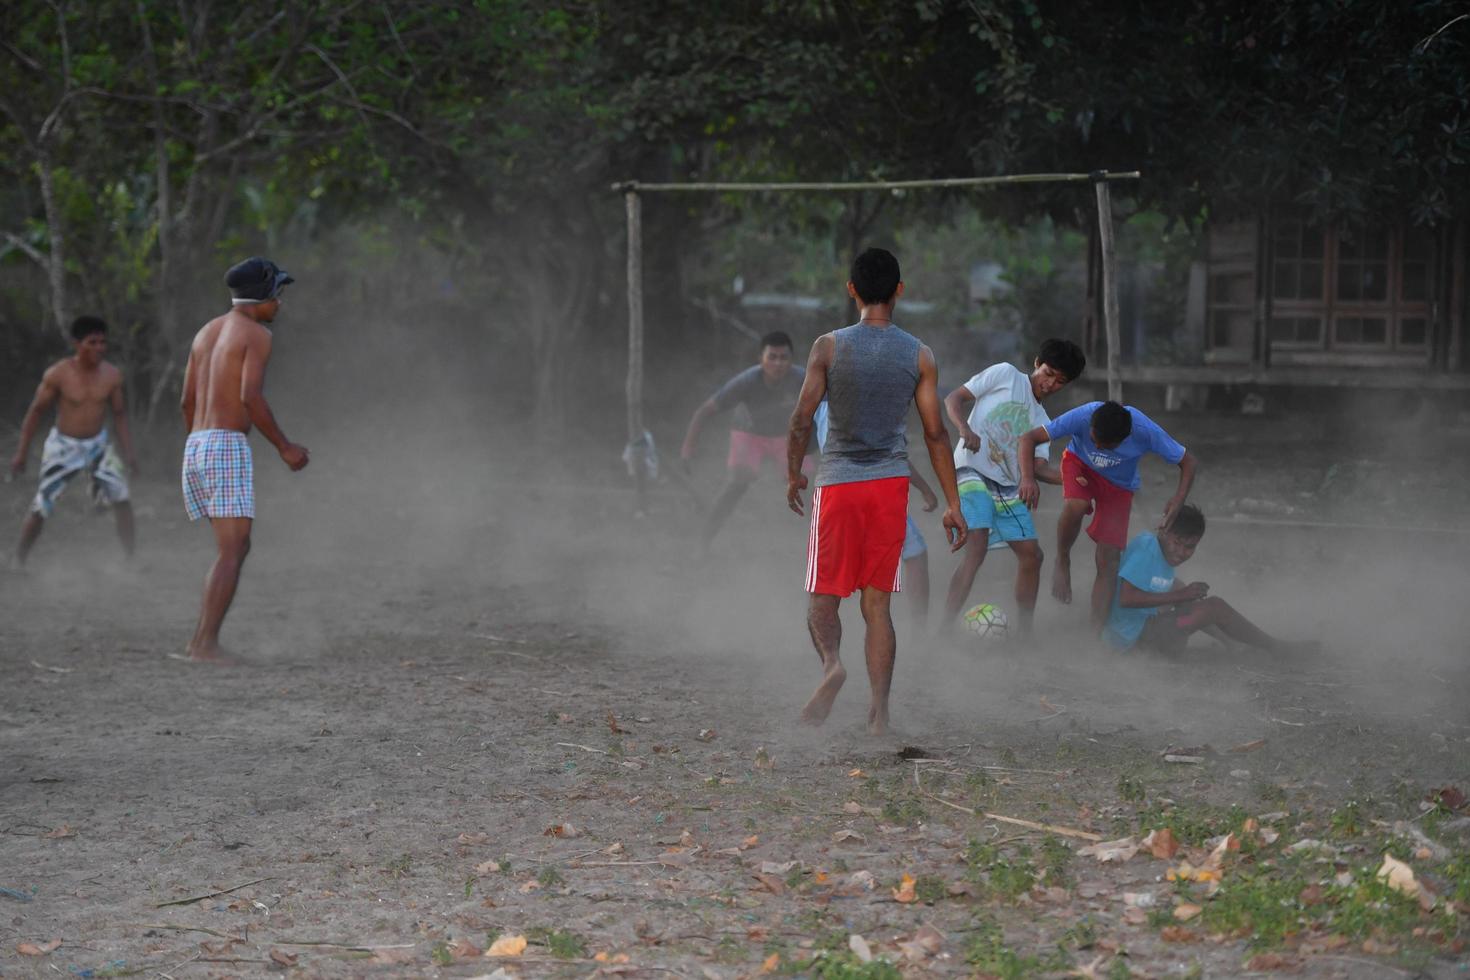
(991, 411)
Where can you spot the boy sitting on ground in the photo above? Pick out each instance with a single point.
(1155, 610)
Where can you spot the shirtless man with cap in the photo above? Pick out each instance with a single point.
(223, 397)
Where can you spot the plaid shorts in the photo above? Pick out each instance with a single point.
(219, 475)
(63, 457)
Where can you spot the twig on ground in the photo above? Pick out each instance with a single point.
(200, 898)
(616, 864)
(176, 928)
(500, 639)
(168, 974)
(1293, 724)
(1015, 821)
(355, 947)
(584, 748)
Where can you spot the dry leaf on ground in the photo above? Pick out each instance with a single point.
(612, 724)
(283, 958)
(770, 883)
(1110, 851)
(507, 946)
(1161, 843)
(392, 957)
(463, 949)
(1267, 962)
(478, 837)
(905, 891)
(65, 830)
(38, 949)
(775, 868)
(1185, 911)
(1400, 878)
(487, 868)
(847, 834)
(560, 830)
(772, 963)
(1250, 746)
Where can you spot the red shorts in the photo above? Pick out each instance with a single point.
(857, 536)
(1110, 502)
(748, 451)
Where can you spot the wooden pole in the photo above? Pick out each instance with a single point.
(1109, 283)
(634, 390)
(878, 185)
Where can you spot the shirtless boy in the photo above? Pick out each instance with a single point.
(869, 373)
(1099, 476)
(991, 411)
(223, 397)
(83, 388)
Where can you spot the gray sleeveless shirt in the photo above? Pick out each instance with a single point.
(870, 386)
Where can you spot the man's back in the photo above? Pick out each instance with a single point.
(217, 361)
(870, 385)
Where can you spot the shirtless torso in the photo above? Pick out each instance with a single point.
(83, 397)
(224, 383)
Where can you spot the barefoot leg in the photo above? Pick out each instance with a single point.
(1104, 585)
(916, 584)
(232, 535)
(1028, 583)
(1215, 611)
(880, 647)
(1069, 525)
(963, 579)
(29, 532)
(826, 630)
(724, 505)
(122, 513)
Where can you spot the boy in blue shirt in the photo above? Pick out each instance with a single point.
(1099, 477)
(1155, 610)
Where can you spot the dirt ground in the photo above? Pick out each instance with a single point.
(487, 704)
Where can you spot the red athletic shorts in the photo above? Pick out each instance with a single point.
(748, 451)
(1110, 502)
(857, 536)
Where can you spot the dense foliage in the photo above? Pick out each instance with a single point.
(144, 144)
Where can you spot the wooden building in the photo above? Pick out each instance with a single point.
(1278, 300)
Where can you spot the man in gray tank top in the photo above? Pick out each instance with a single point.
(869, 373)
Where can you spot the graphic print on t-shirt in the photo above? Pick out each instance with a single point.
(1001, 430)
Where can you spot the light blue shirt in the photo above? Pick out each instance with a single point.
(1119, 465)
(1144, 567)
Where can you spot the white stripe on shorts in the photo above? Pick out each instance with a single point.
(811, 543)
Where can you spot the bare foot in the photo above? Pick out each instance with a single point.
(1061, 583)
(878, 721)
(212, 655)
(820, 705)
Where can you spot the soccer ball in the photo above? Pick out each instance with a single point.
(987, 622)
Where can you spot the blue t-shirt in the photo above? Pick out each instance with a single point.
(1119, 465)
(1145, 567)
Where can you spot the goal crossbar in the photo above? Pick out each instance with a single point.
(633, 189)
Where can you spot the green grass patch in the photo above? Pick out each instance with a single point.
(987, 953)
(1001, 875)
(561, 943)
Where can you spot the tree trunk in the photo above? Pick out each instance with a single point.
(56, 260)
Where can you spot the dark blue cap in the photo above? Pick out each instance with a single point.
(256, 280)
